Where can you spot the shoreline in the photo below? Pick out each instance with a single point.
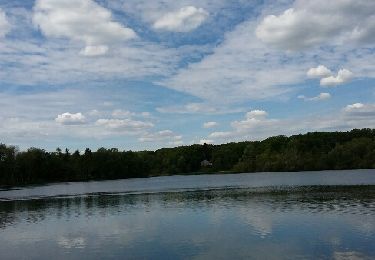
(213, 174)
(315, 151)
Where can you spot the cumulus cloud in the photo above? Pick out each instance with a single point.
(184, 20)
(71, 119)
(256, 113)
(255, 126)
(353, 107)
(222, 77)
(94, 50)
(122, 113)
(162, 136)
(235, 69)
(94, 112)
(4, 24)
(150, 11)
(320, 97)
(205, 141)
(360, 110)
(255, 120)
(221, 135)
(357, 115)
(343, 76)
(326, 77)
(80, 20)
(210, 124)
(123, 124)
(310, 23)
(319, 72)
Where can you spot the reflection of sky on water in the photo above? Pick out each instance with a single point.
(262, 180)
(71, 242)
(329, 223)
(349, 255)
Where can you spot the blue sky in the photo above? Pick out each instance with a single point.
(137, 74)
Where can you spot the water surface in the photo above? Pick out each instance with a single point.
(325, 215)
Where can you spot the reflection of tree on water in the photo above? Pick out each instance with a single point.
(353, 199)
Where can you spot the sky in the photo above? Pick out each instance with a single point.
(146, 74)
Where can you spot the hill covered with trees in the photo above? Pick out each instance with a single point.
(312, 151)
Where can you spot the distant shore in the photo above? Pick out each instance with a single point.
(354, 149)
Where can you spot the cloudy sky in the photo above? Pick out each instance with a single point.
(145, 74)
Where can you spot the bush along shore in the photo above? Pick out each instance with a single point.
(308, 152)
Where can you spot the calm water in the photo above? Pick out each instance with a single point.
(325, 215)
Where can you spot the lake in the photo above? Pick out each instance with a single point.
(304, 215)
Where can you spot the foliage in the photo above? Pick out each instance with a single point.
(311, 151)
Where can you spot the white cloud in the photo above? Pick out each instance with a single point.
(94, 112)
(80, 20)
(255, 120)
(29, 123)
(53, 62)
(123, 124)
(360, 110)
(118, 113)
(198, 107)
(176, 143)
(320, 97)
(16, 130)
(319, 72)
(256, 113)
(188, 108)
(327, 79)
(94, 50)
(184, 20)
(235, 71)
(146, 114)
(210, 124)
(150, 11)
(356, 115)
(206, 108)
(205, 141)
(221, 135)
(165, 136)
(24, 131)
(353, 107)
(343, 76)
(310, 23)
(4, 24)
(70, 119)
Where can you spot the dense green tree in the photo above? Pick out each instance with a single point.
(312, 151)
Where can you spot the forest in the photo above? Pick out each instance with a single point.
(354, 149)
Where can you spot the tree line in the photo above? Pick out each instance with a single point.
(354, 149)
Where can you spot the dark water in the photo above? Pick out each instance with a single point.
(321, 215)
